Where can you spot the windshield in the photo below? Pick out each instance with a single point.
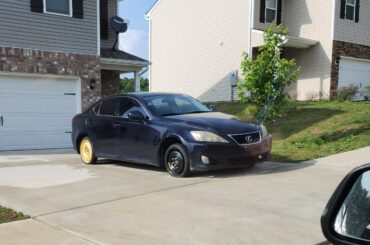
(168, 105)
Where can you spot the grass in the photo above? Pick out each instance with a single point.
(310, 130)
(8, 215)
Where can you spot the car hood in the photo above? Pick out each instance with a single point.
(214, 121)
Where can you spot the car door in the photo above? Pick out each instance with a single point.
(135, 138)
(102, 128)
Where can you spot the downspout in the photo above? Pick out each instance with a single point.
(251, 26)
(98, 26)
(147, 17)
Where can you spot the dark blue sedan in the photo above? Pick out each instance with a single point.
(173, 130)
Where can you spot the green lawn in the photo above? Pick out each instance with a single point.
(309, 130)
(8, 215)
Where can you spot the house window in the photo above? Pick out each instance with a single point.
(350, 9)
(271, 9)
(60, 7)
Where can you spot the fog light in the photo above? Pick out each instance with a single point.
(205, 160)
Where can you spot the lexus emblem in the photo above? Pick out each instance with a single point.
(249, 139)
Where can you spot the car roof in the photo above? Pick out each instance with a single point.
(149, 94)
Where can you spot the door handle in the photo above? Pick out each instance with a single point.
(1, 121)
(91, 122)
(116, 125)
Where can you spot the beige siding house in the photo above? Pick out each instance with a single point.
(196, 46)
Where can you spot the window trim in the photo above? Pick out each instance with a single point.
(276, 9)
(354, 10)
(119, 97)
(66, 15)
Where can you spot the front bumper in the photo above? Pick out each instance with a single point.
(222, 156)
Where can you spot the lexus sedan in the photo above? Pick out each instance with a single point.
(173, 130)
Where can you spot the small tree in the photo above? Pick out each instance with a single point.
(266, 77)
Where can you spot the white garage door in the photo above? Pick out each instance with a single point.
(354, 71)
(36, 112)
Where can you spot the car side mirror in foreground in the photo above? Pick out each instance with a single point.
(346, 218)
(136, 116)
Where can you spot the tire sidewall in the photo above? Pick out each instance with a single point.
(93, 159)
(180, 148)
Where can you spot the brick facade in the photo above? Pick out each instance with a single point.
(110, 82)
(86, 67)
(340, 49)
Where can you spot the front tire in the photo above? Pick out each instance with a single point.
(177, 161)
(87, 151)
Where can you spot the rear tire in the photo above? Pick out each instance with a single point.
(177, 161)
(87, 151)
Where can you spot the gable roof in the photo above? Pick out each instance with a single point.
(147, 15)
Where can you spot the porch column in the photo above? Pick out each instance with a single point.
(137, 81)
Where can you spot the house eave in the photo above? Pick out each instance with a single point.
(293, 41)
(122, 65)
(299, 42)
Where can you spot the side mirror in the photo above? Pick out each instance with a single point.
(346, 218)
(212, 107)
(136, 116)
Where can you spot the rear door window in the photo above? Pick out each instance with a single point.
(109, 107)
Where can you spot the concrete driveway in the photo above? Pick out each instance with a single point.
(122, 203)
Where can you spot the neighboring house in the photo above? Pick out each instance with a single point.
(56, 59)
(196, 46)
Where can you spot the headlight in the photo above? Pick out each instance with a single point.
(263, 131)
(207, 137)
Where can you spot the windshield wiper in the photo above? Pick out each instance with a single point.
(194, 112)
(170, 114)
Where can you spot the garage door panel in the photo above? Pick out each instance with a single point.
(37, 113)
(352, 71)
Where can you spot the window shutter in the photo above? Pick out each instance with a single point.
(278, 14)
(78, 9)
(342, 9)
(262, 11)
(37, 6)
(104, 25)
(357, 12)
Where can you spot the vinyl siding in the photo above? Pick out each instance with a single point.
(195, 45)
(313, 20)
(19, 27)
(350, 31)
(112, 11)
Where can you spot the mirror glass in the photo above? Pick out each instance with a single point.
(353, 218)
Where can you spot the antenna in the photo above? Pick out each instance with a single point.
(119, 25)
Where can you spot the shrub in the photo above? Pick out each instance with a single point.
(367, 93)
(346, 93)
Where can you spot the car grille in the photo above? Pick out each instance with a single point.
(245, 139)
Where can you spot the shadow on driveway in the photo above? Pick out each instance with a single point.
(259, 169)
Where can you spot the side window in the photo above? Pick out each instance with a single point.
(350, 10)
(271, 11)
(127, 105)
(71, 8)
(63, 7)
(97, 108)
(109, 107)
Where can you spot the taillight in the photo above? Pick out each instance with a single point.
(73, 119)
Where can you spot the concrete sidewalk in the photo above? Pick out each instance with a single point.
(121, 203)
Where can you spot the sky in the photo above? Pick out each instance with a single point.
(135, 40)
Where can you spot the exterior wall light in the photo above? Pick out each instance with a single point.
(92, 84)
(337, 60)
